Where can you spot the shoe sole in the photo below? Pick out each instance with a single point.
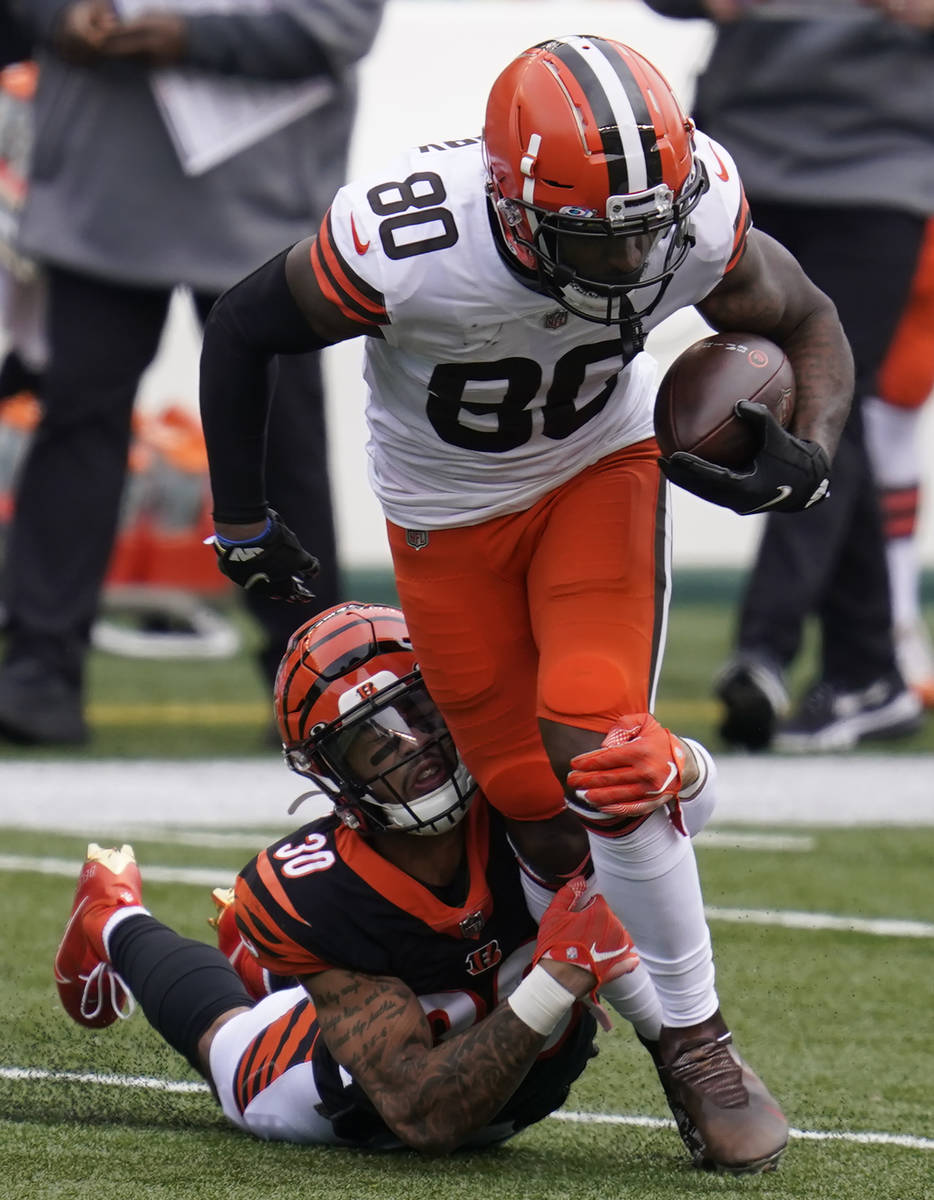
(760, 1167)
(902, 717)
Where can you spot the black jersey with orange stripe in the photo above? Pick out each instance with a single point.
(323, 897)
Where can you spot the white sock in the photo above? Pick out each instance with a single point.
(892, 443)
(649, 878)
(892, 439)
(118, 915)
(632, 995)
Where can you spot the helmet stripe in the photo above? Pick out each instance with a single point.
(619, 109)
(351, 659)
(646, 153)
(567, 51)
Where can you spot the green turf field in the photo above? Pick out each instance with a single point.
(835, 1015)
(837, 1021)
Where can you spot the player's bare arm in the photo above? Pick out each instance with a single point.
(431, 1097)
(768, 293)
(434, 1096)
(323, 316)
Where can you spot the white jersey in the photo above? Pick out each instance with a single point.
(483, 394)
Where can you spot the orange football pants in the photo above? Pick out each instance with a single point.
(557, 612)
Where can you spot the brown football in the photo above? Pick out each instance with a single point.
(695, 401)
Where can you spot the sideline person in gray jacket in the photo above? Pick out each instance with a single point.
(828, 109)
(117, 225)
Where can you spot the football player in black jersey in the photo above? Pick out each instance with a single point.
(429, 1010)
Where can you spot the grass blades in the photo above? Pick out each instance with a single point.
(837, 1022)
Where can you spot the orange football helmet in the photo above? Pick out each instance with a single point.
(356, 718)
(585, 139)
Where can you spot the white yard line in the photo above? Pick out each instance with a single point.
(857, 1137)
(216, 877)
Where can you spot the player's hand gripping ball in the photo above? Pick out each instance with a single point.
(721, 418)
(695, 409)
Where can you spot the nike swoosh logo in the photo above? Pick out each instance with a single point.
(603, 955)
(60, 978)
(672, 772)
(783, 491)
(360, 247)
(723, 173)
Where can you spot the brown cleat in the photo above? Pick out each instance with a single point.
(735, 1124)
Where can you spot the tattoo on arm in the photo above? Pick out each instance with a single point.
(768, 293)
(431, 1096)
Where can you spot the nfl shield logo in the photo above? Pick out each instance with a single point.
(555, 319)
(472, 925)
(416, 538)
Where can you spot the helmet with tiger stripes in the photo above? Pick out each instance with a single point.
(356, 718)
(584, 139)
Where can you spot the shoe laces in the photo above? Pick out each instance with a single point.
(710, 1068)
(97, 984)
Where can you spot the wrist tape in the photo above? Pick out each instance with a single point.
(223, 541)
(540, 1001)
(704, 770)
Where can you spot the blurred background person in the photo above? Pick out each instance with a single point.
(14, 41)
(20, 335)
(117, 223)
(892, 434)
(826, 107)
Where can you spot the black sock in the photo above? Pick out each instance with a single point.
(181, 985)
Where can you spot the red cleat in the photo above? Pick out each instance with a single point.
(253, 977)
(91, 992)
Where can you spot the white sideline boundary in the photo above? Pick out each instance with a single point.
(89, 797)
(211, 877)
(856, 1137)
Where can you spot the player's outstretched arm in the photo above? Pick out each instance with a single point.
(434, 1096)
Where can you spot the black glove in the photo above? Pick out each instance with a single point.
(788, 474)
(274, 564)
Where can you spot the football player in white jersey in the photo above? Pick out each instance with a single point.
(505, 285)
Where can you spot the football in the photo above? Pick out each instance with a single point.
(697, 395)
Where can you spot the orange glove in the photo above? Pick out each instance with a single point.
(637, 770)
(586, 934)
